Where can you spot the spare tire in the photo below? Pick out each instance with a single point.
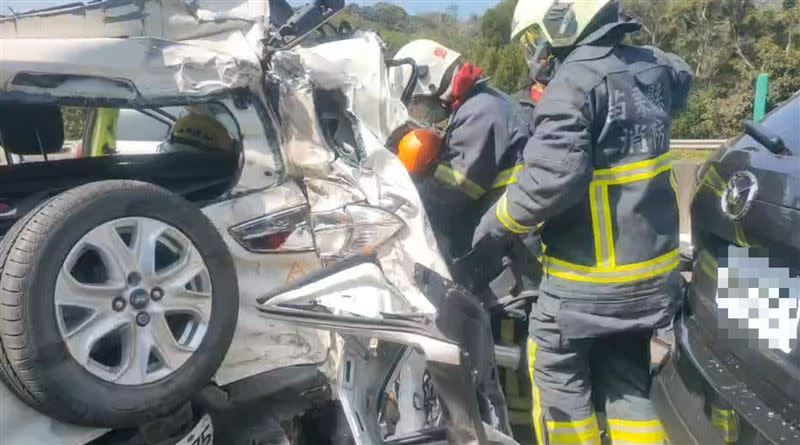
(118, 302)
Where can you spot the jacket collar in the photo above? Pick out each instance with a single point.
(600, 42)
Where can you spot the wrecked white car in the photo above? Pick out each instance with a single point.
(138, 289)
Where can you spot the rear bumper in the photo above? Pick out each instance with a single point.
(695, 383)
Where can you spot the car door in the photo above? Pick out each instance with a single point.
(401, 379)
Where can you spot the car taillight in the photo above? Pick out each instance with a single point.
(286, 231)
(353, 230)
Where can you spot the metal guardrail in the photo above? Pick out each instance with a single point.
(696, 144)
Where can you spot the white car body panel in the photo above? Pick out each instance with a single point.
(224, 55)
(169, 20)
(140, 67)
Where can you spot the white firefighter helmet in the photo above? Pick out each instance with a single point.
(558, 22)
(542, 26)
(436, 65)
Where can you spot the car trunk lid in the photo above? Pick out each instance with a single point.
(745, 289)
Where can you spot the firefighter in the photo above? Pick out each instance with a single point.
(598, 184)
(482, 143)
(198, 130)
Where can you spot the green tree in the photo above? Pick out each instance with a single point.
(74, 121)
(496, 23)
(726, 42)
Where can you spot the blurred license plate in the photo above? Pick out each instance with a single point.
(201, 434)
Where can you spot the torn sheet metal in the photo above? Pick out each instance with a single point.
(361, 291)
(167, 19)
(127, 69)
(357, 67)
(380, 178)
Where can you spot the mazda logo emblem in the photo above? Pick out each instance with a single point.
(739, 194)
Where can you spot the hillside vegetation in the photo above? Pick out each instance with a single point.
(727, 43)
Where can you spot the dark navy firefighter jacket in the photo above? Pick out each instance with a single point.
(598, 183)
(481, 155)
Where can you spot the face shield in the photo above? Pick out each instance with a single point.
(538, 54)
(428, 110)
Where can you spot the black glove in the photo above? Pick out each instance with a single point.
(490, 227)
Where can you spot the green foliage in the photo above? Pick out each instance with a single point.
(500, 59)
(74, 119)
(388, 15)
(496, 23)
(728, 43)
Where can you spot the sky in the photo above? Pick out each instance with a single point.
(465, 7)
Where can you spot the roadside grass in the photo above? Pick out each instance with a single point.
(692, 155)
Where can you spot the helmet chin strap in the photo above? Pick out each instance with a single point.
(447, 95)
(544, 72)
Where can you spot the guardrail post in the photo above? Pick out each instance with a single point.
(762, 92)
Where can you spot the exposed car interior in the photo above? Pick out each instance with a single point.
(198, 157)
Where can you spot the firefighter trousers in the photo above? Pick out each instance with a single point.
(570, 377)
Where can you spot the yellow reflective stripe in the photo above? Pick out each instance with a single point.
(538, 424)
(714, 180)
(637, 432)
(639, 424)
(613, 280)
(454, 178)
(634, 178)
(650, 263)
(571, 276)
(568, 265)
(505, 218)
(598, 242)
(580, 432)
(606, 269)
(506, 177)
(674, 183)
(651, 438)
(727, 421)
(623, 268)
(612, 257)
(615, 171)
(707, 263)
(104, 133)
(620, 274)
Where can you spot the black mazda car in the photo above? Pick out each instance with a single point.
(734, 374)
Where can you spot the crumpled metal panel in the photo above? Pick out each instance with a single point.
(129, 69)
(357, 67)
(167, 19)
(380, 180)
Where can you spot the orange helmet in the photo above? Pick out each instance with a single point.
(419, 149)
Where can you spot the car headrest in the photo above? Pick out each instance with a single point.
(31, 129)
